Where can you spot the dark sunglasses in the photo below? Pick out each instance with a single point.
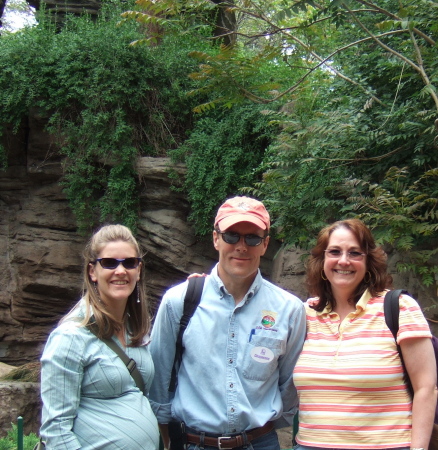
(252, 240)
(112, 263)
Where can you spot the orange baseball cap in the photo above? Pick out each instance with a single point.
(242, 209)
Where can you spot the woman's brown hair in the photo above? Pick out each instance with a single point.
(137, 314)
(376, 265)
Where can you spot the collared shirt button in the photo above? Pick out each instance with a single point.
(232, 335)
(231, 385)
(230, 361)
(232, 409)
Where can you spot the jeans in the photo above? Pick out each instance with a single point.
(267, 442)
(303, 447)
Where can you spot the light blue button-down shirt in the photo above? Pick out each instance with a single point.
(90, 401)
(238, 360)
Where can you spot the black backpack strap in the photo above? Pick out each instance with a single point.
(391, 309)
(131, 365)
(191, 302)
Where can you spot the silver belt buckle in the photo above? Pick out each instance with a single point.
(223, 438)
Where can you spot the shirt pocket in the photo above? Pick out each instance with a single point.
(261, 357)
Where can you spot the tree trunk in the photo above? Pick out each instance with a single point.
(226, 23)
(2, 9)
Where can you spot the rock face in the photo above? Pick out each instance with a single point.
(19, 400)
(40, 271)
(41, 250)
(41, 265)
(59, 9)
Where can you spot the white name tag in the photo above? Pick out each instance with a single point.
(262, 354)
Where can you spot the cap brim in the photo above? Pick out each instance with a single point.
(228, 222)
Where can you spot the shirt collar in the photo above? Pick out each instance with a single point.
(221, 289)
(363, 301)
(360, 305)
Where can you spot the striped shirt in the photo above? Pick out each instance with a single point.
(349, 377)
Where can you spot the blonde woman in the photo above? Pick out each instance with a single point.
(90, 400)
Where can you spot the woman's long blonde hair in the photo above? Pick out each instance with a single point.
(137, 314)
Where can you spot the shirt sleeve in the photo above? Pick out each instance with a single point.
(61, 379)
(162, 348)
(412, 323)
(295, 342)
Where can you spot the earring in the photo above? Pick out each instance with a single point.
(369, 278)
(96, 290)
(138, 294)
(322, 275)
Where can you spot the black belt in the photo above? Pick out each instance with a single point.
(230, 442)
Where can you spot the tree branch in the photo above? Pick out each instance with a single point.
(417, 68)
(395, 17)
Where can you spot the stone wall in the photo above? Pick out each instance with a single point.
(20, 400)
(40, 247)
(40, 270)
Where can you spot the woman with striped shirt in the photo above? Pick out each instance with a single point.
(349, 376)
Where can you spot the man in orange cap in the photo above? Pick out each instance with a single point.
(235, 382)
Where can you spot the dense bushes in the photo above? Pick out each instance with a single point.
(351, 89)
(107, 102)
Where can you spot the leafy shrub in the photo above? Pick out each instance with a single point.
(222, 154)
(107, 103)
(10, 441)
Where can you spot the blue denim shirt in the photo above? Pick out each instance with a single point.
(238, 360)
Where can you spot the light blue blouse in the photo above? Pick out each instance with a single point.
(90, 400)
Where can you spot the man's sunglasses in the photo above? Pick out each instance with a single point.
(112, 263)
(252, 240)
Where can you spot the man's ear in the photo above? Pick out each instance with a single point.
(215, 239)
(265, 244)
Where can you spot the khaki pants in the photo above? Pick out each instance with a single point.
(433, 445)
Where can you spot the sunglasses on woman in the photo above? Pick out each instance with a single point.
(252, 240)
(112, 263)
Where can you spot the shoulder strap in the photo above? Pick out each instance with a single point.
(391, 309)
(131, 365)
(191, 302)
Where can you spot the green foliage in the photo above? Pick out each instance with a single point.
(352, 94)
(357, 85)
(300, 178)
(404, 215)
(180, 18)
(106, 103)
(229, 77)
(222, 154)
(361, 100)
(10, 441)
